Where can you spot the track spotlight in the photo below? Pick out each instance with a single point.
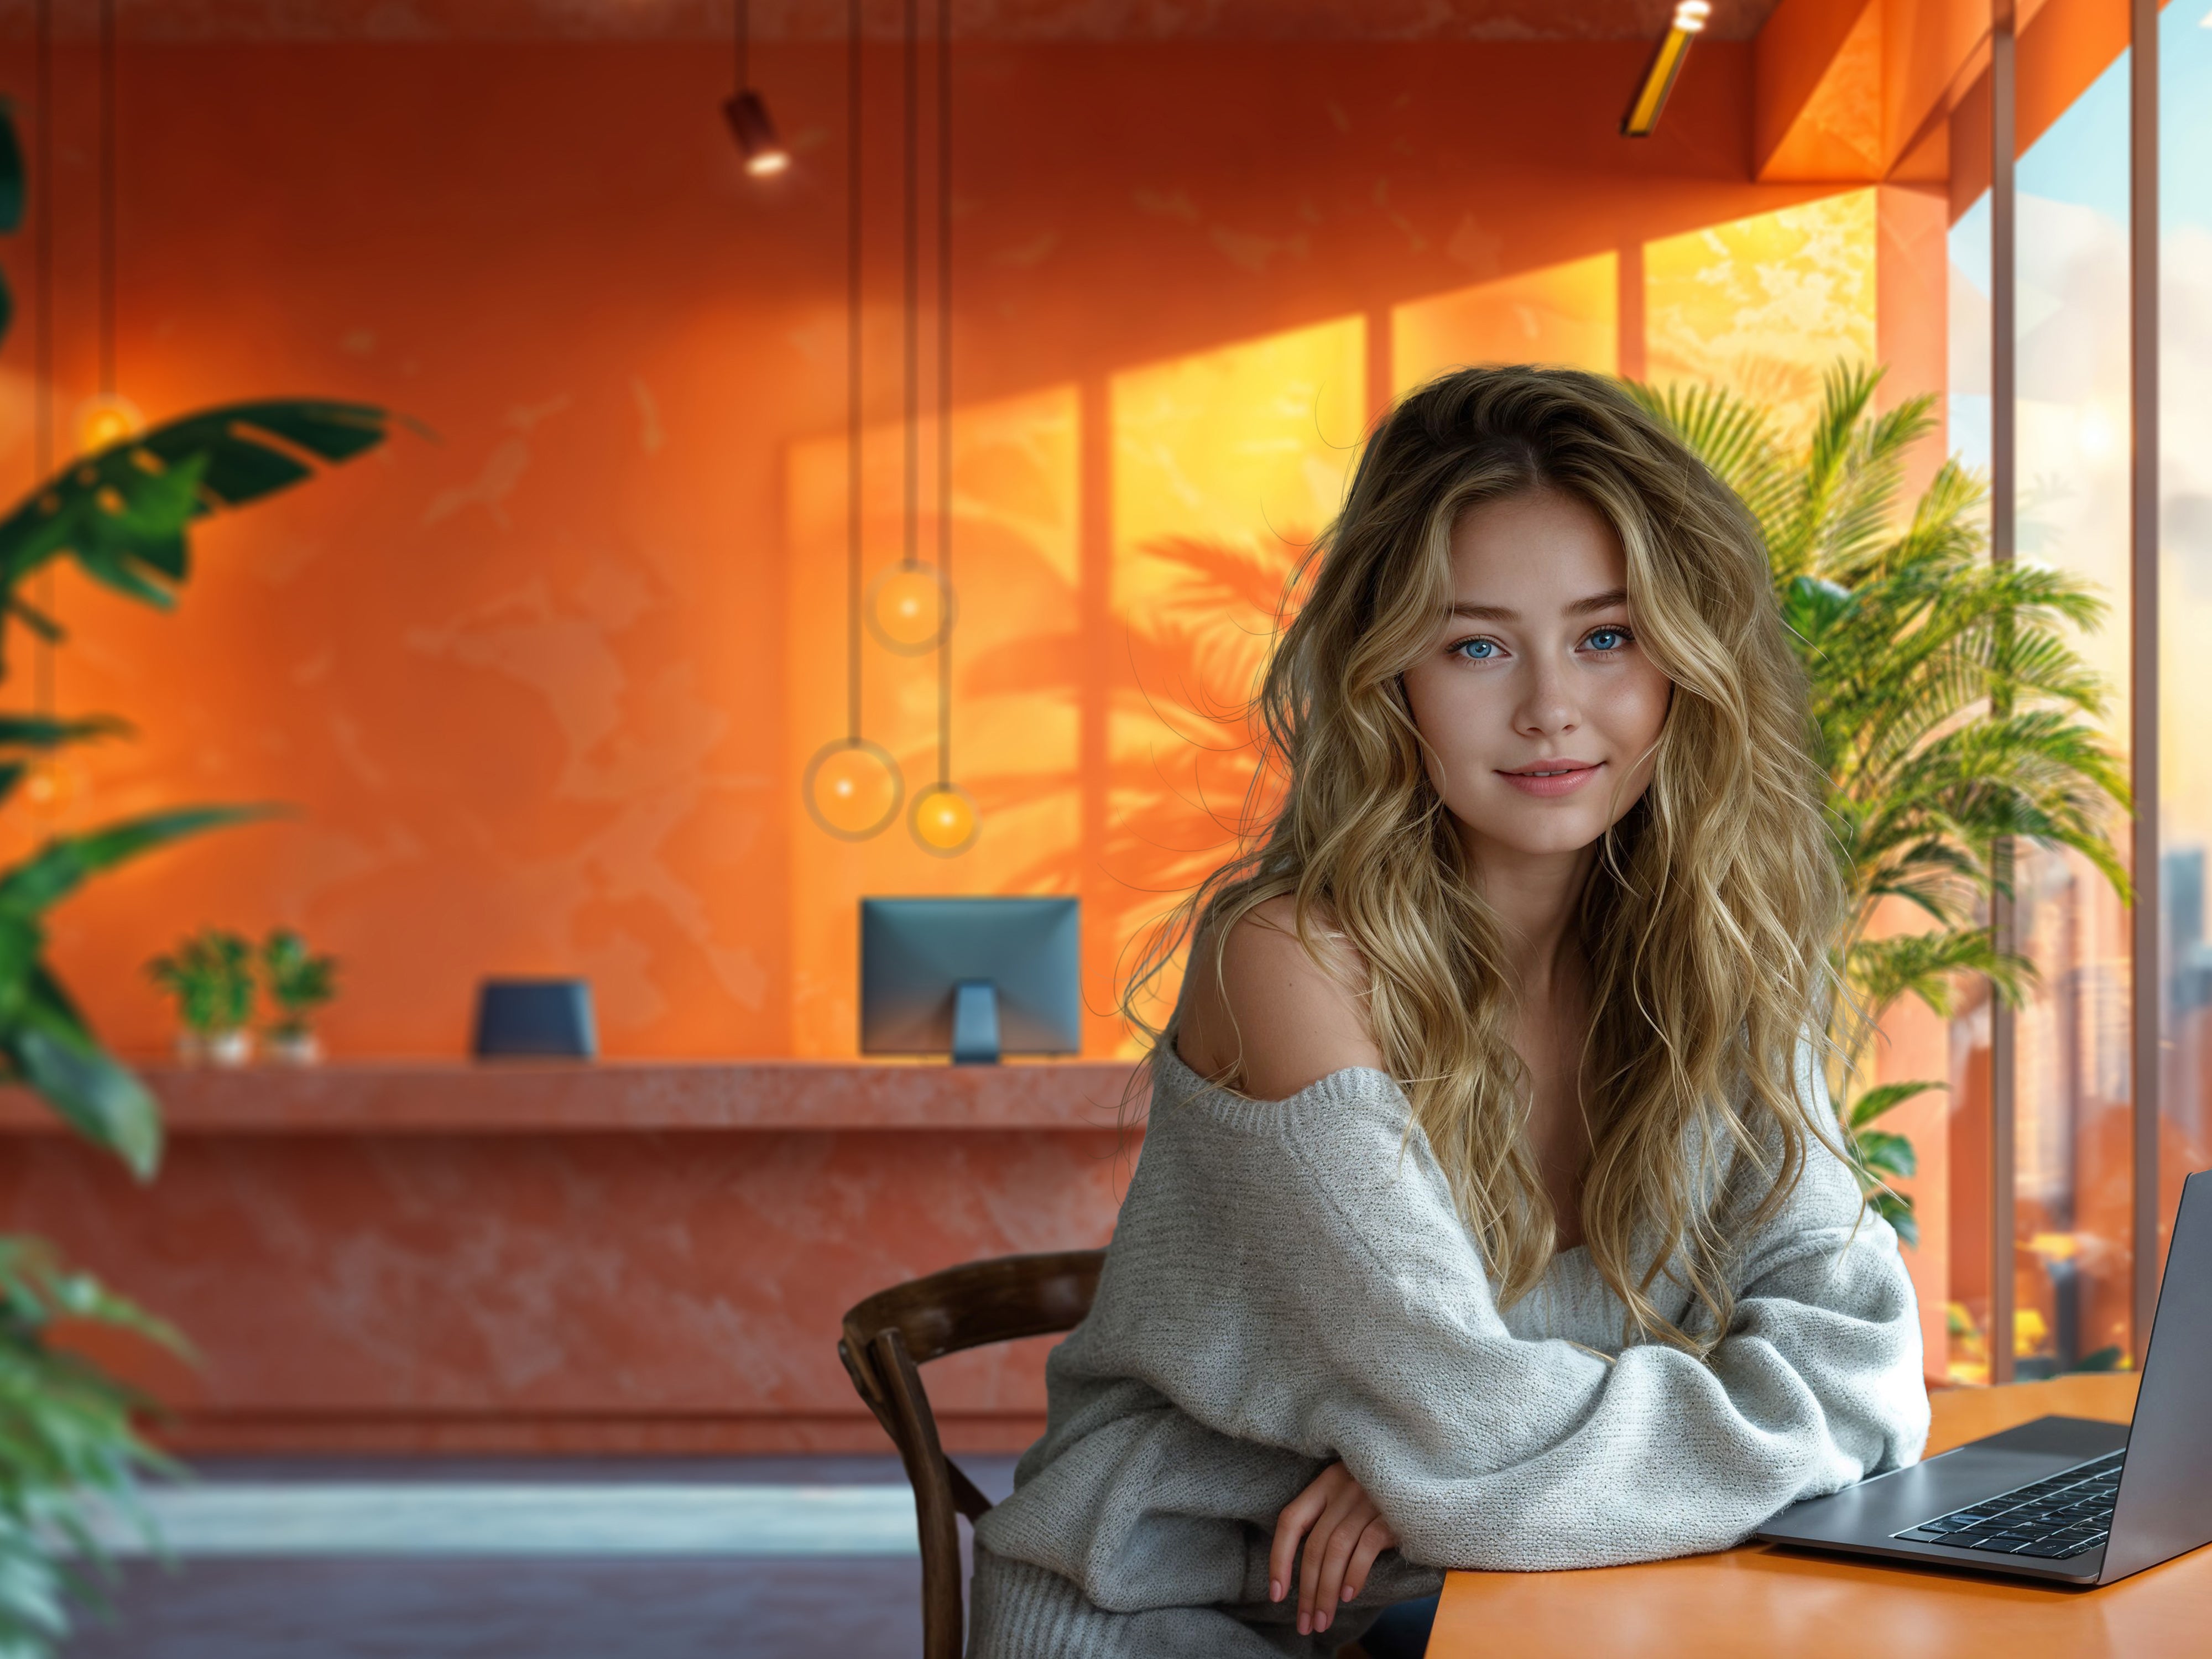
(1690, 16)
(765, 155)
(747, 112)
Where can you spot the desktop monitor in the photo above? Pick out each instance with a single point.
(972, 977)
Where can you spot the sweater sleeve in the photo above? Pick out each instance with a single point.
(1485, 1450)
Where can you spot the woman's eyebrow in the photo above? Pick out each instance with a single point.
(1610, 600)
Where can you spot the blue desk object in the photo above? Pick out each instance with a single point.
(535, 1019)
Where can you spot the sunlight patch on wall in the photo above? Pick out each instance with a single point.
(1764, 304)
(1565, 316)
(1014, 714)
(1226, 464)
(1246, 446)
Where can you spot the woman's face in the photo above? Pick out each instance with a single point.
(1539, 709)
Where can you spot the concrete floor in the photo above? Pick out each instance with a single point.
(536, 1607)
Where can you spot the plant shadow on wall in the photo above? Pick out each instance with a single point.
(69, 1447)
(1953, 712)
(1186, 780)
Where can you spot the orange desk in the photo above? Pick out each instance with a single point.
(1764, 1603)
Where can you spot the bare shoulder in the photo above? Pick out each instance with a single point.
(1261, 1016)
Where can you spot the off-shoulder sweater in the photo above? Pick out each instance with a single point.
(1290, 1283)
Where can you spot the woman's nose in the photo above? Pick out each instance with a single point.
(1548, 706)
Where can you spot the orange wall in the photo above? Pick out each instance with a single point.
(540, 688)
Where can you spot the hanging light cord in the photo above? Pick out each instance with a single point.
(944, 386)
(107, 198)
(912, 545)
(852, 478)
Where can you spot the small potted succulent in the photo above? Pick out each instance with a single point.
(209, 977)
(298, 984)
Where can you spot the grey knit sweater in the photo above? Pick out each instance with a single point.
(1289, 1282)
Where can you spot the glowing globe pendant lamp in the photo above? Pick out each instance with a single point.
(853, 788)
(909, 609)
(106, 420)
(910, 606)
(944, 819)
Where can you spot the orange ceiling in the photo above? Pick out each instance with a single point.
(784, 20)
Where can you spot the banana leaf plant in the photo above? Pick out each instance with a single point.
(122, 516)
(1951, 709)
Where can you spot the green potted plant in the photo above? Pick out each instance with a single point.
(1951, 710)
(210, 978)
(298, 983)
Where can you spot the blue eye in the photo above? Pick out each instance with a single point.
(1607, 639)
(1476, 650)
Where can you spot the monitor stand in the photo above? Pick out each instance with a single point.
(975, 1023)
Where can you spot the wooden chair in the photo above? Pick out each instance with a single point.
(889, 1336)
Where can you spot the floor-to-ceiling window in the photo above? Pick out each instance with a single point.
(2072, 1099)
(1968, 1280)
(2184, 592)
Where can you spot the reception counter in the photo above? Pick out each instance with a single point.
(568, 1258)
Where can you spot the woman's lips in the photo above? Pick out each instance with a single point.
(1553, 777)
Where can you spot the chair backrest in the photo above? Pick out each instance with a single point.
(887, 1337)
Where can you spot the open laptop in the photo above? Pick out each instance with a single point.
(2062, 1498)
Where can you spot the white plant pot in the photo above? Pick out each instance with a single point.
(296, 1048)
(229, 1048)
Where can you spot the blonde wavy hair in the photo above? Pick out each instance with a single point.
(1707, 921)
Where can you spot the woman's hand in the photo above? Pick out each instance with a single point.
(1348, 1532)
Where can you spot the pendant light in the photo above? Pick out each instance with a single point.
(747, 112)
(53, 781)
(853, 788)
(110, 417)
(910, 606)
(944, 819)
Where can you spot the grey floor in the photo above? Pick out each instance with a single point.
(544, 1607)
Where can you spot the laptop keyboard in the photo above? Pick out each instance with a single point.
(2063, 1516)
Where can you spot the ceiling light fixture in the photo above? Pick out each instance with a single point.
(853, 788)
(1642, 117)
(747, 113)
(910, 606)
(109, 417)
(944, 819)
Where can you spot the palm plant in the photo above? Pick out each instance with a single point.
(122, 516)
(1951, 710)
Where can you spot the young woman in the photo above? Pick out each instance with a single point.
(1489, 1214)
